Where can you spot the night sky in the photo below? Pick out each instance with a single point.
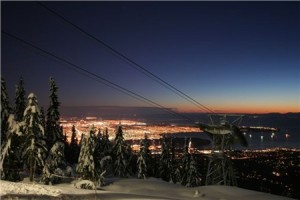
(229, 56)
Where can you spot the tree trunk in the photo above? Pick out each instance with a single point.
(31, 170)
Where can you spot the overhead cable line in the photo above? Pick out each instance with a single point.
(98, 78)
(132, 63)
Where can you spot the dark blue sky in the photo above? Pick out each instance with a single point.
(229, 56)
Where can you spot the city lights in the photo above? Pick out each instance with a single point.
(133, 130)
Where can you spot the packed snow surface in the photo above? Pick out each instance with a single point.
(28, 188)
(132, 189)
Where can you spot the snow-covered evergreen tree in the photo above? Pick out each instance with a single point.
(164, 162)
(185, 163)
(20, 100)
(20, 105)
(106, 143)
(142, 166)
(102, 161)
(98, 154)
(193, 176)
(54, 164)
(74, 148)
(86, 164)
(106, 151)
(53, 129)
(34, 146)
(74, 139)
(147, 152)
(54, 134)
(121, 155)
(175, 175)
(11, 161)
(144, 159)
(5, 111)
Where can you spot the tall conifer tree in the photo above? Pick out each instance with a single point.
(144, 159)
(106, 144)
(54, 164)
(53, 129)
(98, 154)
(99, 146)
(86, 163)
(102, 160)
(11, 159)
(175, 175)
(74, 149)
(121, 155)
(164, 162)
(185, 163)
(106, 148)
(20, 105)
(34, 148)
(193, 176)
(5, 111)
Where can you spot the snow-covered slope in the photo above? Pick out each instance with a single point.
(134, 189)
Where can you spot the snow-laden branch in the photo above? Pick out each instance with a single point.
(14, 127)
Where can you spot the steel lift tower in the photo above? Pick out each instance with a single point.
(223, 135)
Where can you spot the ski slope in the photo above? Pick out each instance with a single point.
(133, 189)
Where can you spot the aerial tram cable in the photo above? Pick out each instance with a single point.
(220, 134)
(98, 78)
(132, 63)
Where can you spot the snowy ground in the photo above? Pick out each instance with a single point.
(134, 189)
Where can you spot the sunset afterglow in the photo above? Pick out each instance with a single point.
(240, 57)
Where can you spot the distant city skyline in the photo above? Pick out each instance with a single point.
(240, 57)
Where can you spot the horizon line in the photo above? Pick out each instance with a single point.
(176, 109)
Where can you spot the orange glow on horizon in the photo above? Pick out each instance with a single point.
(251, 109)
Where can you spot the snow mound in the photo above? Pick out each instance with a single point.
(7, 187)
(85, 184)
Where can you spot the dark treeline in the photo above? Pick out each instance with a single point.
(33, 145)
